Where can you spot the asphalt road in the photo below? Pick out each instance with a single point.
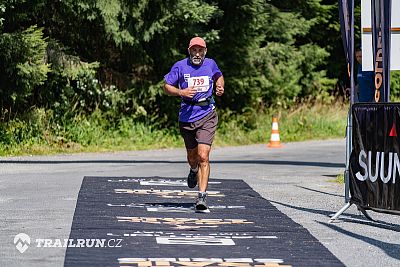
(38, 196)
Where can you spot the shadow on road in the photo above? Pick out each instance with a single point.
(317, 191)
(265, 162)
(391, 249)
(350, 218)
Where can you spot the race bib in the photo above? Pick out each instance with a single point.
(201, 83)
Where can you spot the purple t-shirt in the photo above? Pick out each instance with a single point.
(183, 74)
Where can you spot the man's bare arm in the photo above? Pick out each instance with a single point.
(173, 91)
(220, 84)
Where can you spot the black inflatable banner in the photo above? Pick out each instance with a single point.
(381, 24)
(345, 11)
(375, 158)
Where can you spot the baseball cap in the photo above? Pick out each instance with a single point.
(197, 41)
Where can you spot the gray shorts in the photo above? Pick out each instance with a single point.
(199, 132)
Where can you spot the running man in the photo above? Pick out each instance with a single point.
(193, 79)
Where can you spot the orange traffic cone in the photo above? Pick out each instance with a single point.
(275, 141)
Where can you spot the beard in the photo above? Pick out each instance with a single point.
(196, 60)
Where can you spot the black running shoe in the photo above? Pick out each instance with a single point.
(201, 205)
(192, 179)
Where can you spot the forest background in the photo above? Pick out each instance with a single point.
(87, 75)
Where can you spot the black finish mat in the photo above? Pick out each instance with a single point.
(123, 221)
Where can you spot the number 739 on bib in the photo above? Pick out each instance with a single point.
(201, 83)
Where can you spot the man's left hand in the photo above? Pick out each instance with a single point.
(219, 91)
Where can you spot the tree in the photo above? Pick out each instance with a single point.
(22, 67)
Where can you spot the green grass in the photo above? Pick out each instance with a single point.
(305, 122)
(38, 133)
(338, 179)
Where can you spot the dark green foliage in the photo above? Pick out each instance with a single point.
(2, 10)
(395, 85)
(22, 67)
(76, 57)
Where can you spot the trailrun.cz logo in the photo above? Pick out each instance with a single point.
(22, 242)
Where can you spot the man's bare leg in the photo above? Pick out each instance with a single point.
(192, 157)
(203, 152)
(193, 161)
